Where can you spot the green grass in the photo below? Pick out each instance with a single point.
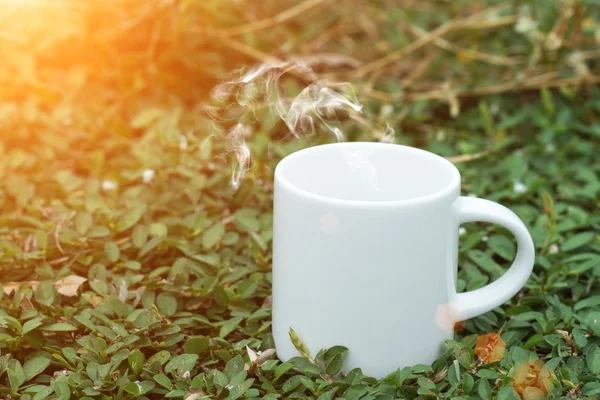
(178, 267)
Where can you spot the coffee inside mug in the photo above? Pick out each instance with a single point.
(371, 172)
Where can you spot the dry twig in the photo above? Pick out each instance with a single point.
(511, 86)
(263, 57)
(433, 35)
(468, 53)
(467, 157)
(271, 21)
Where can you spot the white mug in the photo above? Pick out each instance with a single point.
(365, 243)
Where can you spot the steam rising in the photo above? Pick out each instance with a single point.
(359, 162)
(314, 109)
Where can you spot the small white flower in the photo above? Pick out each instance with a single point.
(519, 187)
(386, 110)
(461, 231)
(550, 148)
(525, 24)
(494, 108)
(186, 375)
(229, 387)
(553, 249)
(553, 41)
(108, 185)
(148, 175)
(183, 143)
(485, 239)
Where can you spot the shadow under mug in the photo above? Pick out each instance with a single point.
(365, 247)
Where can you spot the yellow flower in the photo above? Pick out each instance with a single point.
(490, 348)
(531, 380)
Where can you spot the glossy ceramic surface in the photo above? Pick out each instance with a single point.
(365, 253)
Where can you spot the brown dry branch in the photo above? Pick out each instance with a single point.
(258, 55)
(507, 87)
(467, 157)
(468, 53)
(433, 35)
(337, 29)
(269, 22)
(418, 70)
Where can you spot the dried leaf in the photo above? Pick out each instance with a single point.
(68, 286)
(251, 354)
(490, 348)
(10, 286)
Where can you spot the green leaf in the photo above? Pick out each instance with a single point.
(98, 232)
(483, 389)
(181, 363)
(282, 369)
(213, 235)
(112, 251)
(133, 388)
(487, 373)
(16, 375)
(234, 367)
(467, 383)
(589, 302)
(150, 245)
(163, 381)
(139, 235)
(83, 222)
(166, 303)
(44, 294)
(534, 340)
(229, 326)
(31, 325)
(334, 359)
(486, 262)
(328, 395)
(158, 229)
(61, 388)
(35, 366)
(146, 386)
(401, 375)
(175, 394)
(161, 358)
(577, 241)
(221, 296)
(592, 358)
(592, 320)
(591, 388)
(130, 218)
(247, 220)
(305, 366)
(44, 393)
(196, 345)
(579, 337)
(136, 361)
(58, 327)
(508, 393)
(503, 246)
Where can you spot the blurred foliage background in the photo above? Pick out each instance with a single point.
(130, 267)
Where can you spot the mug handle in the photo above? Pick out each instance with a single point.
(477, 302)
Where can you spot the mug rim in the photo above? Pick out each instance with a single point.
(452, 186)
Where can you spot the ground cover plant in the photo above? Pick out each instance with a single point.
(131, 269)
